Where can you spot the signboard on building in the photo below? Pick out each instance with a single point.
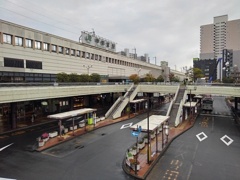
(92, 39)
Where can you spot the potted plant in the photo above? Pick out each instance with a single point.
(134, 150)
(133, 163)
(82, 123)
(41, 142)
(129, 156)
(141, 144)
(159, 129)
(145, 139)
(152, 135)
(45, 137)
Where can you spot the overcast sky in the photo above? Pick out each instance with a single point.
(166, 29)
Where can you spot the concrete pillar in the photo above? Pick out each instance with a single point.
(71, 103)
(236, 103)
(90, 100)
(1, 37)
(13, 115)
(13, 40)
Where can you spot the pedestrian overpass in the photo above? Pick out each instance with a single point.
(17, 93)
(180, 96)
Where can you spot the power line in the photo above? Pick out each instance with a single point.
(38, 20)
(33, 10)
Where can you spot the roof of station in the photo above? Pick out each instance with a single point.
(71, 114)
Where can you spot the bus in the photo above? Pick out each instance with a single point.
(207, 103)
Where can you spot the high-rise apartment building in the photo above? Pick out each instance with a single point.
(216, 37)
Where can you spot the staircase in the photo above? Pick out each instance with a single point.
(177, 106)
(116, 110)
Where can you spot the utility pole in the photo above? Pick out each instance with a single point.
(155, 60)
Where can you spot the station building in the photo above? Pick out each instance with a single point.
(32, 56)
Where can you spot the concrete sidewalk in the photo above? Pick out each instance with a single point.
(80, 131)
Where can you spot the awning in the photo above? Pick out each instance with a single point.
(44, 103)
(154, 122)
(138, 100)
(188, 104)
(70, 114)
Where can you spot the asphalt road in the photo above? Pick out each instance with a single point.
(93, 156)
(192, 158)
(99, 154)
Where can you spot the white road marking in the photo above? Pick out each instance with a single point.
(5, 147)
(201, 134)
(126, 125)
(226, 137)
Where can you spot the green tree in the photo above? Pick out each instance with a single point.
(62, 77)
(171, 77)
(84, 78)
(160, 79)
(197, 73)
(176, 79)
(228, 80)
(95, 77)
(134, 78)
(149, 78)
(74, 77)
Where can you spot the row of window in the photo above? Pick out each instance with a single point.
(27, 77)
(19, 63)
(29, 43)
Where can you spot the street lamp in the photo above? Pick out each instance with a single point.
(128, 95)
(88, 67)
(148, 134)
(166, 131)
(191, 114)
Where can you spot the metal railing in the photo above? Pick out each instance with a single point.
(15, 84)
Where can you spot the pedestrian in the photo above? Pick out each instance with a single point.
(33, 117)
(62, 130)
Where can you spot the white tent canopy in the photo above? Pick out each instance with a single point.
(188, 104)
(154, 122)
(138, 100)
(71, 114)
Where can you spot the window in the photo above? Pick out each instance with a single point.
(72, 52)
(78, 53)
(60, 49)
(87, 55)
(11, 62)
(45, 46)
(92, 56)
(33, 64)
(54, 48)
(7, 38)
(28, 43)
(66, 50)
(18, 41)
(83, 54)
(37, 45)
